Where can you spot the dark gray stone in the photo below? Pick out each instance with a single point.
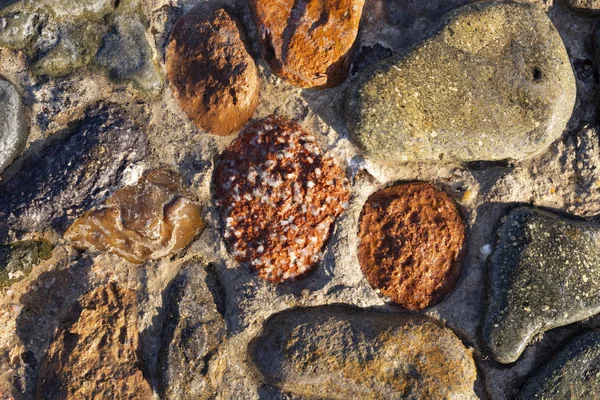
(544, 273)
(13, 128)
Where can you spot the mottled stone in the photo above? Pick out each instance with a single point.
(13, 127)
(18, 259)
(95, 353)
(192, 332)
(573, 373)
(411, 239)
(586, 7)
(20, 29)
(543, 273)
(149, 220)
(491, 81)
(308, 42)
(339, 352)
(76, 169)
(210, 71)
(91, 10)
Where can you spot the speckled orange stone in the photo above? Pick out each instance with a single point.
(411, 239)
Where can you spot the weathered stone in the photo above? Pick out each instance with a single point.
(20, 29)
(212, 75)
(91, 10)
(75, 170)
(13, 127)
(411, 238)
(95, 354)
(491, 81)
(149, 220)
(338, 352)
(18, 259)
(573, 373)
(192, 332)
(543, 273)
(277, 173)
(308, 42)
(586, 7)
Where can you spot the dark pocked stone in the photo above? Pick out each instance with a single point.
(544, 273)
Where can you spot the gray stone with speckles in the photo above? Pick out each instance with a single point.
(13, 128)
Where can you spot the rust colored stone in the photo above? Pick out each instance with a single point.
(308, 42)
(149, 220)
(278, 194)
(213, 77)
(411, 238)
(95, 354)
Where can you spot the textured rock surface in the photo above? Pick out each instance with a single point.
(340, 352)
(13, 127)
(18, 259)
(586, 7)
(308, 42)
(543, 273)
(411, 238)
(278, 174)
(75, 170)
(95, 353)
(504, 89)
(212, 75)
(192, 333)
(573, 373)
(149, 220)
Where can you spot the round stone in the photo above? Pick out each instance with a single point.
(13, 128)
(278, 194)
(411, 239)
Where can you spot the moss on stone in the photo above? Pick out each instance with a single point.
(18, 259)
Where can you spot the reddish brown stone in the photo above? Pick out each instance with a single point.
(411, 238)
(308, 42)
(212, 75)
(278, 195)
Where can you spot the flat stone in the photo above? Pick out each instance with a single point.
(75, 170)
(411, 239)
(212, 76)
(13, 127)
(95, 353)
(491, 81)
(18, 259)
(586, 7)
(149, 220)
(339, 352)
(573, 373)
(192, 333)
(308, 42)
(543, 273)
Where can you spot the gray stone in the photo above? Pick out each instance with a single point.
(18, 259)
(13, 128)
(573, 373)
(91, 10)
(589, 8)
(340, 352)
(543, 273)
(491, 81)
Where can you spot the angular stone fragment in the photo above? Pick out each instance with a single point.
(586, 7)
(573, 373)
(149, 220)
(338, 352)
(278, 194)
(95, 354)
(308, 42)
(18, 259)
(192, 331)
(411, 238)
(75, 170)
(212, 75)
(543, 273)
(491, 81)
(13, 128)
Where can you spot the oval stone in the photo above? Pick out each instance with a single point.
(13, 128)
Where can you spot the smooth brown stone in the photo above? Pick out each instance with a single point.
(308, 42)
(411, 238)
(213, 77)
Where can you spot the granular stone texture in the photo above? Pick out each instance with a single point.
(491, 81)
(308, 42)
(13, 128)
(411, 238)
(210, 71)
(573, 373)
(586, 7)
(192, 332)
(278, 194)
(18, 259)
(149, 220)
(338, 352)
(543, 273)
(75, 170)
(95, 353)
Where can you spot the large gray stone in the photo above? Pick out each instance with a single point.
(491, 81)
(543, 273)
(13, 127)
